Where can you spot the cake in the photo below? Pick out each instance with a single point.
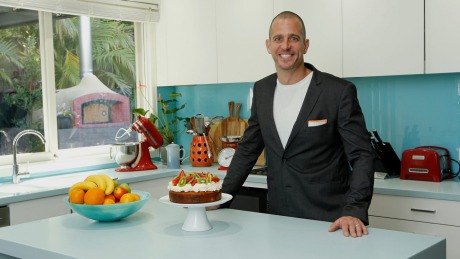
(192, 188)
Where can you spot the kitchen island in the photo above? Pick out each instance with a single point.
(156, 232)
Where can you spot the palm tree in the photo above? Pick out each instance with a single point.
(113, 57)
(9, 57)
(113, 53)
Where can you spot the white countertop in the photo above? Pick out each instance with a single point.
(446, 190)
(156, 232)
(56, 185)
(36, 188)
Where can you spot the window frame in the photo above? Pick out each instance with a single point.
(97, 156)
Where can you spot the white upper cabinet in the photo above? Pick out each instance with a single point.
(186, 42)
(442, 22)
(323, 23)
(223, 41)
(242, 28)
(383, 37)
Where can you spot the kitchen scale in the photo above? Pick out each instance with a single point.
(196, 219)
(224, 158)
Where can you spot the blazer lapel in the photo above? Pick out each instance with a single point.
(270, 99)
(314, 90)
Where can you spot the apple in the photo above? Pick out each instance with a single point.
(119, 191)
(126, 186)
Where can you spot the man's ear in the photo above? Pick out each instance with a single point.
(267, 45)
(307, 44)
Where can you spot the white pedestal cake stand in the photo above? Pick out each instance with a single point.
(197, 219)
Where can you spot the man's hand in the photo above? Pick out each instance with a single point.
(215, 207)
(350, 226)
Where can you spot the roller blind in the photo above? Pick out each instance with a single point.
(126, 10)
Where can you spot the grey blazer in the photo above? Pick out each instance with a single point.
(326, 170)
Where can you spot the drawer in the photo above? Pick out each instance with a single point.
(416, 209)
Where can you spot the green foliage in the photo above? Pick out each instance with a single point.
(20, 69)
(112, 52)
(26, 82)
(168, 121)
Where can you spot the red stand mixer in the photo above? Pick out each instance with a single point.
(136, 156)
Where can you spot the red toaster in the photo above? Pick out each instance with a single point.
(426, 163)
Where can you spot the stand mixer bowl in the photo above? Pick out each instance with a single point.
(124, 154)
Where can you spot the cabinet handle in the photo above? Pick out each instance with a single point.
(422, 210)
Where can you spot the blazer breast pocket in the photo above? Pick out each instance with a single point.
(316, 123)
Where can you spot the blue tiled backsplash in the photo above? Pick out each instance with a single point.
(408, 111)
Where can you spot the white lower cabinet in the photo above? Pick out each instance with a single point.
(31, 210)
(26, 211)
(418, 215)
(157, 188)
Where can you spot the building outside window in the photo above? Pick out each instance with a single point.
(88, 93)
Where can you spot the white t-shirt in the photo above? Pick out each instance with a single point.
(286, 106)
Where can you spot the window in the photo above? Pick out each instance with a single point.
(20, 79)
(95, 74)
(79, 99)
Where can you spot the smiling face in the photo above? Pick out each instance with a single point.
(287, 44)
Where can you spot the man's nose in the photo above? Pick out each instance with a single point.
(286, 44)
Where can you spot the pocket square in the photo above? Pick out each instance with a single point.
(315, 123)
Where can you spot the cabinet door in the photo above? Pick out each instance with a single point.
(242, 28)
(157, 188)
(323, 23)
(442, 23)
(186, 42)
(383, 37)
(43, 208)
(451, 233)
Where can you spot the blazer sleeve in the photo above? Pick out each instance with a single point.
(249, 149)
(352, 128)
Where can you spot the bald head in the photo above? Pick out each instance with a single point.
(289, 15)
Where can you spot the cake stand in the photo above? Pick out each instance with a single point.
(197, 219)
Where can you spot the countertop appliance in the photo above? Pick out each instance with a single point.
(426, 163)
(152, 138)
(251, 198)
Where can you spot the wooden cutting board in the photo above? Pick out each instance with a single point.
(221, 129)
(216, 132)
(241, 124)
(228, 124)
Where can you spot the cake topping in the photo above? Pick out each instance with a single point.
(193, 178)
(195, 181)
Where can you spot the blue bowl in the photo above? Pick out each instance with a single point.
(110, 212)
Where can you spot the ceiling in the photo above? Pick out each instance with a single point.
(10, 17)
(13, 17)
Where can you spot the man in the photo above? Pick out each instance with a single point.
(320, 161)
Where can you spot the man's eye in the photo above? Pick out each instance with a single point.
(277, 39)
(295, 38)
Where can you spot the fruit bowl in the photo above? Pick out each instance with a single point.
(111, 212)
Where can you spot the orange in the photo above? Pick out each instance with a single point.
(136, 196)
(111, 197)
(95, 196)
(77, 196)
(108, 201)
(127, 197)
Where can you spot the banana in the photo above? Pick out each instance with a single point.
(110, 184)
(98, 180)
(86, 185)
